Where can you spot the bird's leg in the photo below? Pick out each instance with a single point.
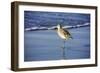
(64, 43)
(63, 49)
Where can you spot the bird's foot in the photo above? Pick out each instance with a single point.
(63, 47)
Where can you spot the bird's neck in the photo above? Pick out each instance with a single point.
(59, 28)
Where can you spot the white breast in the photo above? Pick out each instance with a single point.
(61, 34)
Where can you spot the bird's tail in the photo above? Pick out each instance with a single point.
(71, 37)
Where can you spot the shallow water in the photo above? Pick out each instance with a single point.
(47, 45)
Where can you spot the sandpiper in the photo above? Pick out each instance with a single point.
(64, 34)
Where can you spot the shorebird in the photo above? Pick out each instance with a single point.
(63, 34)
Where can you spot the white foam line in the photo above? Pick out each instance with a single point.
(51, 28)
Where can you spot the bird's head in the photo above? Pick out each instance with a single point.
(59, 26)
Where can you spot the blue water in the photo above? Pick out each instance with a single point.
(47, 45)
(49, 19)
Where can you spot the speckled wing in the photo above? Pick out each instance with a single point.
(67, 32)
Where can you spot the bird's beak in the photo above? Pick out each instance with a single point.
(55, 28)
